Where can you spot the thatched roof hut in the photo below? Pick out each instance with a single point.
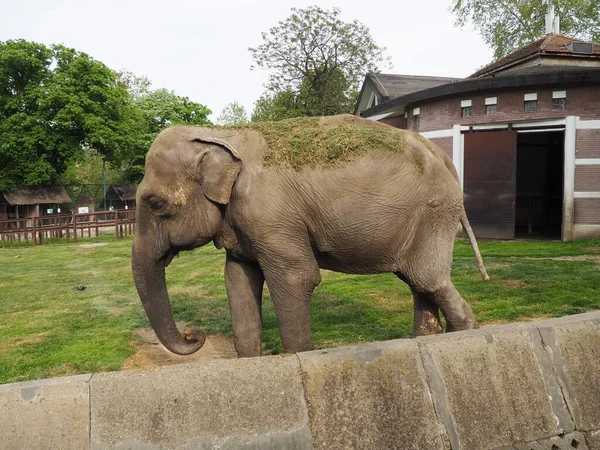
(121, 196)
(124, 192)
(37, 195)
(30, 201)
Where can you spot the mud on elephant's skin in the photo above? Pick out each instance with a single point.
(389, 203)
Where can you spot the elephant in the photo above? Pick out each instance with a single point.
(289, 198)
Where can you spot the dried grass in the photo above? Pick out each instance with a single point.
(329, 141)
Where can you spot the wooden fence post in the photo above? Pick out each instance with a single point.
(74, 228)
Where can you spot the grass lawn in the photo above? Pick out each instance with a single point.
(48, 329)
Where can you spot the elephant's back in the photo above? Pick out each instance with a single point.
(313, 143)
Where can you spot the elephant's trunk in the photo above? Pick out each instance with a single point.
(149, 276)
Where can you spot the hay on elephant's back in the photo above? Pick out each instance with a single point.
(325, 141)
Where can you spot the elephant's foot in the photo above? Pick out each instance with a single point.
(427, 323)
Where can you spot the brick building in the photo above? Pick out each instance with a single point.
(523, 132)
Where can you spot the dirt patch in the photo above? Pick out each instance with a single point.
(97, 244)
(151, 353)
(27, 340)
(492, 323)
(591, 258)
(514, 284)
(594, 258)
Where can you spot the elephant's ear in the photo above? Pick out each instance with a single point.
(218, 168)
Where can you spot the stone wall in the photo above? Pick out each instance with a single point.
(533, 386)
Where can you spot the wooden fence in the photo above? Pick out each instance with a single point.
(47, 229)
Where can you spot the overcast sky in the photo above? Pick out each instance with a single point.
(199, 49)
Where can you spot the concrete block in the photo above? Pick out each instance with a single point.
(372, 396)
(497, 386)
(227, 404)
(48, 414)
(570, 441)
(593, 440)
(574, 345)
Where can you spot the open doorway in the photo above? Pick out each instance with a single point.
(539, 193)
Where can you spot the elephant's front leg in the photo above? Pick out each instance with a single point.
(244, 282)
(291, 284)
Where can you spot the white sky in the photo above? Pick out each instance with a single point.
(199, 48)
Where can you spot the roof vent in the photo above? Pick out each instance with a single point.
(586, 48)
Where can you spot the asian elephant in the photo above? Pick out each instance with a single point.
(288, 198)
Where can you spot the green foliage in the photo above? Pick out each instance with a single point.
(135, 85)
(233, 114)
(54, 102)
(276, 106)
(61, 110)
(162, 108)
(87, 169)
(506, 25)
(149, 114)
(319, 58)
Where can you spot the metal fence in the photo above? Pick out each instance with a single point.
(63, 228)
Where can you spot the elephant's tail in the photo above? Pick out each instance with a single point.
(463, 218)
(467, 227)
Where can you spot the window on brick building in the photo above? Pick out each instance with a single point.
(491, 106)
(465, 108)
(530, 105)
(559, 99)
(530, 102)
(559, 103)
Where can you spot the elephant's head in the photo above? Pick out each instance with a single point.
(180, 202)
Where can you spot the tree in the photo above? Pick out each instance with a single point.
(276, 106)
(54, 103)
(506, 25)
(233, 114)
(318, 57)
(88, 168)
(135, 85)
(149, 115)
(59, 106)
(162, 108)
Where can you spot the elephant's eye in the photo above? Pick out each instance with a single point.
(157, 205)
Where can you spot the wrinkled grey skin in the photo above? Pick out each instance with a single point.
(376, 214)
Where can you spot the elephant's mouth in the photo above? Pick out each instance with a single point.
(172, 253)
(169, 256)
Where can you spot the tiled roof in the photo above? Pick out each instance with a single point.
(391, 85)
(550, 45)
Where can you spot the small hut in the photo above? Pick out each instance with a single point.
(33, 201)
(120, 196)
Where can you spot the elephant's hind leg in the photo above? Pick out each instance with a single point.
(457, 312)
(428, 276)
(426, 315)
(244, 282)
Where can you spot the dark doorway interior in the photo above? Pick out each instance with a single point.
(539, 199)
